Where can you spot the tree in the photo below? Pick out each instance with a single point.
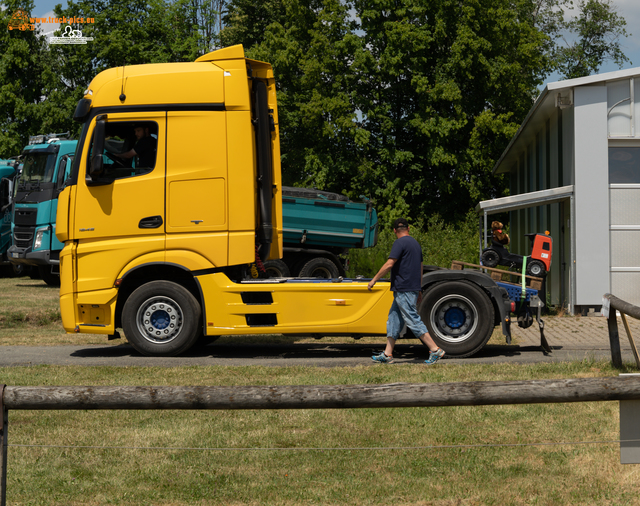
(24, 73)
(598, 28)
(311, 44)
(408, 102)
(451, 82)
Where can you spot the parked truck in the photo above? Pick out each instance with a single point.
(46, 165)
(319, 228)
(161, 248)
(9, 171)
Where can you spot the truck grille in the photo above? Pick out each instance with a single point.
(26, 217)
(23, 238)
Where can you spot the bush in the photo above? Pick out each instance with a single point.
(441, 243)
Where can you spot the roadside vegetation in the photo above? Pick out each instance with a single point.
(441, 243)
(492, 455)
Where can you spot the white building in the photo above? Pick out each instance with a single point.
(574, 169)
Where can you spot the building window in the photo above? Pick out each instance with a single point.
(624, 165)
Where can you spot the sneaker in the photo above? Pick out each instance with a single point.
(434, 356)
(382, 358)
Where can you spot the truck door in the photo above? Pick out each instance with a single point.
(120, 196)
(197, 187)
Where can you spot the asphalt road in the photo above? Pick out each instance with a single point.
(281, 355)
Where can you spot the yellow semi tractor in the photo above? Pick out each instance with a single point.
(158, 244)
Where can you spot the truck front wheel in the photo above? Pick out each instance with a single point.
(459, 316)
(161, 318)
(47, 276)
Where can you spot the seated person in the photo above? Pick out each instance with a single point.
(144, 150)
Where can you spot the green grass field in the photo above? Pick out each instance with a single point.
(499, 455)
(544, 454)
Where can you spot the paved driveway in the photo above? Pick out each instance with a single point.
(571, 338)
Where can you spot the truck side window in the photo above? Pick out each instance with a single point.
(130, 148)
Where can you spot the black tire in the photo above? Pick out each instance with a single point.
(276, 269)
(18, 270)
(459, 316)
(490, 258)
(536, 268)
(319, 267)
(47, 276)
(162, 319)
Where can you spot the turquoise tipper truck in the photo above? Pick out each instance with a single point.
(47, 163)
(319, 228)
(9, 170)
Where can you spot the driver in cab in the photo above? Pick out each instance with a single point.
(144, 150)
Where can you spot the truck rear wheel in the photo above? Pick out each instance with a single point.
(276, 269)
(161, 318)
(459, 316)
(319, 267)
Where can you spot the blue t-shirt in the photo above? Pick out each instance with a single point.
(405, 273)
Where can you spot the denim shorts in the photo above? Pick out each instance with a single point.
(403, 310)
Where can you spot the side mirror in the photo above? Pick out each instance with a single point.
(96, 167)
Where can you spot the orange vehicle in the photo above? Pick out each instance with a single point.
(538, 263)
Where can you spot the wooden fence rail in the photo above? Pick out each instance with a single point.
(392, 395)
(611, 304)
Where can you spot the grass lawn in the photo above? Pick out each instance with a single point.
(503, 455)
(544, 454)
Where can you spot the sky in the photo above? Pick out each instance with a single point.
(629, 9)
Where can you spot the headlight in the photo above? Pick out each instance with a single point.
(38, 242)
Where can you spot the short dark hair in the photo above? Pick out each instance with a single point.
(400, 223)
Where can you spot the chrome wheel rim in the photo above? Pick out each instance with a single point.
(454, 318)
(159, 320)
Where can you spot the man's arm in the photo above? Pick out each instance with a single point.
(383, 270)
(129, 154)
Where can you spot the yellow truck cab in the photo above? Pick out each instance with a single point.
(175, 190)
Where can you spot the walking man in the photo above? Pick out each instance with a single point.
(405, 264)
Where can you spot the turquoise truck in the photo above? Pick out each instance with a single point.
(9, 170)
(319, 228)
(46, 165)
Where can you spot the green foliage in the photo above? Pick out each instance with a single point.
(40, 84)
(24, 76)
(408, 102)
(599, 29)
(441, 243)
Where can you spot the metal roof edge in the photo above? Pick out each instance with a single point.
(524, 200)
(513, 140)
(561, 85)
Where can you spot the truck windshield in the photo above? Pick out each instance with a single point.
(38, 168)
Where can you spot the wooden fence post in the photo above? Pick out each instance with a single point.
(4, 426)
(614, 339)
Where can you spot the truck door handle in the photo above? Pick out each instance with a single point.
(150, 222)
